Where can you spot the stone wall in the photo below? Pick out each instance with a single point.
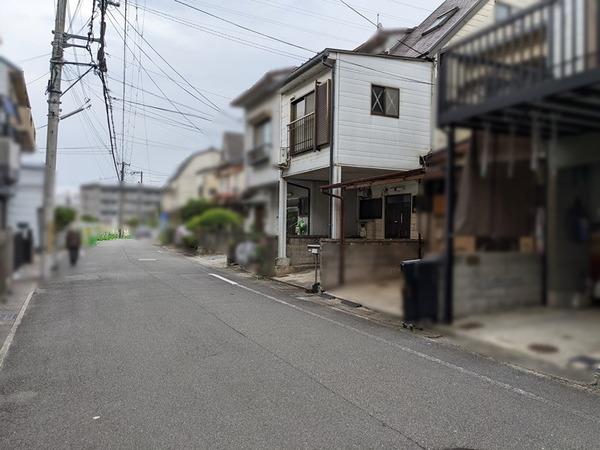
(497, 281)
(365, 260)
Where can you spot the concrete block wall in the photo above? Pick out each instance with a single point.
(365, 261)
(499, 281)
(297, 250)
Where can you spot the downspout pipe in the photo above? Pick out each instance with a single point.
(332, 66)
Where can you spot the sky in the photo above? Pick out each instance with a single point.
(179, 59)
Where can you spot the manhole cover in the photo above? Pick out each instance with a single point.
(7, 316)
(470, 326)
(543, 348)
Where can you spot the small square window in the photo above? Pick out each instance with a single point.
(385, 101)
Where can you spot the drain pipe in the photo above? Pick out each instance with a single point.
(331, 136)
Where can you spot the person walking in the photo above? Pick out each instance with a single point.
(73, 245)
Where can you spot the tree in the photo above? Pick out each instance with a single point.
(194, 208)
(63, 217)
(89, 218)
(215, 220)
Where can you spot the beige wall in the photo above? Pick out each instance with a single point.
(186, 185)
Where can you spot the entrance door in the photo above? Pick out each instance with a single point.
(398, 209)
(259, 218)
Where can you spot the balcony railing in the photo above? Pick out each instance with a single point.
(539, 51)
(259, 154)
(301, 135)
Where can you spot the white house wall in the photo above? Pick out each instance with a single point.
(369, 141)
(24, 207)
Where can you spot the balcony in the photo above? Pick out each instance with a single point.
(25, 129)
(539, 68)
(259, 154)
(301, 135)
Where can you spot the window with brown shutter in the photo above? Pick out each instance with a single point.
(323, 113)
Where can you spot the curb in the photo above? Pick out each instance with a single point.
(13, 329)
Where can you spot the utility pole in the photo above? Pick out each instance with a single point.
(54, 93)
(121, 197)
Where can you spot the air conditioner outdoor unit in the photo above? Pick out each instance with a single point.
(284, 158)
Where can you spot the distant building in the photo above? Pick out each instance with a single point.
(194, 177)
(231, 173)
(102, 202)
(261, 106)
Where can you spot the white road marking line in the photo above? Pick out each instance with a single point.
(456, 367)
(13, 329)
(227, 280)
(146, 259)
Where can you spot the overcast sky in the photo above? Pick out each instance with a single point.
(217, 58)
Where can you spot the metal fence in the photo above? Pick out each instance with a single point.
(301, 134)
(547, 43)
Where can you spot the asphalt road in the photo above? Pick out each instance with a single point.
(142, 348)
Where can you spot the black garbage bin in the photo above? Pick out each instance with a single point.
(421, 289)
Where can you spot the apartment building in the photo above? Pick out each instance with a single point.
(140, 202)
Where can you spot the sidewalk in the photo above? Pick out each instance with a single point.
(560, 342)
(25, 281)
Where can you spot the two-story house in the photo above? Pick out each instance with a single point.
(17, 136)
(261, 105)
(348, 116)
(194, 177)
(230, 174)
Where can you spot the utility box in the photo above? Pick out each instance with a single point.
(421, 289)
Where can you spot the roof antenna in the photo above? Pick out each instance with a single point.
(379, 25)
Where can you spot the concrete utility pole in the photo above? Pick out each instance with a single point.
(54, 93)
(121, 197)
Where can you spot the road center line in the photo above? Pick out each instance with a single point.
(456, 367)
(146, 259)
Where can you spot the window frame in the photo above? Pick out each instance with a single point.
(385, 92)
(440, 21)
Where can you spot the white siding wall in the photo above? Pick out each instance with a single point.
(365, 140)
(28, 199)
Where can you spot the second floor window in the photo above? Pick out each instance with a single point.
(303, 106)
(263, 133)
(385, 101)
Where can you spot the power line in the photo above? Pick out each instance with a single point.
(245, 28)
(210, 102)
(156, 84)
(159, 108)
(359, 13)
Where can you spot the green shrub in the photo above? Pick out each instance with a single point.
(190, 243)
(89, 218)
(167, 236)
(63, 217)
(193, 208)
(215, 220)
